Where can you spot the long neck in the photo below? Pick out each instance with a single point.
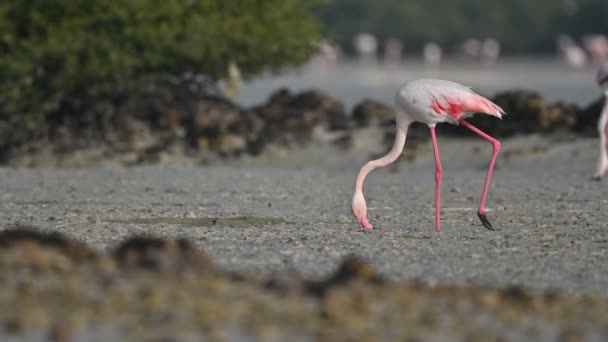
(391, 156)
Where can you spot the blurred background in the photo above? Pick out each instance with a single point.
(285, 100)
(207, 77)
(370, 48)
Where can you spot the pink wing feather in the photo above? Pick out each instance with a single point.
(450, 98)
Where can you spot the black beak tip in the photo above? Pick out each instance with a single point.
(484, 221)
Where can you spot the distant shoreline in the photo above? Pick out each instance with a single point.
(350, 81)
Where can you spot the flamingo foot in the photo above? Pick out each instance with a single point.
(484, 220)
(596, 178)
(364, 224)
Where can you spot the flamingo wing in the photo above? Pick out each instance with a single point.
(445, 98)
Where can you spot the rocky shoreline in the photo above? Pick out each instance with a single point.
(203, 128)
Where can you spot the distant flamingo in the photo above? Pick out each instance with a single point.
(602, 163)
(431, 101)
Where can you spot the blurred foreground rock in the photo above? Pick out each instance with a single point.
(155, 289)
(196, 126)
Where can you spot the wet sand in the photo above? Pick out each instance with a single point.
(288, 213)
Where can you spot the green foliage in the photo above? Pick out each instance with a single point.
(68, 54)
(522, 26)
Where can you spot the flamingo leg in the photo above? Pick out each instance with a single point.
(602, 163)
(438, 176)
(496, 148)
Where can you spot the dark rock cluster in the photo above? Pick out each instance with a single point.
(527, 112)
(194, 124)
(587, 118)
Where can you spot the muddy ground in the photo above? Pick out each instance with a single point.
(285, 215)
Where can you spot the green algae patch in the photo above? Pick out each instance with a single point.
(236, 221)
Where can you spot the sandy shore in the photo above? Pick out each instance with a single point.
(550, 217)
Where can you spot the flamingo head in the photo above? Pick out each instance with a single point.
(360, 211)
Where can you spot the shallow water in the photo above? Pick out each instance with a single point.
(352, 81)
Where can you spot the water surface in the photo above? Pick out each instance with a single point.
(353, 81)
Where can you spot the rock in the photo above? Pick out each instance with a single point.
(352, 270)
(588, 117)
(371, 112)
(24, 246)
(272, 108)
(212, 117)
(16, 235)
(228, 144)
(343, 142)
(354, 303)
(527, 112)
(221, 126)
(323, 108)
(161, 255)
(172, 119)
(558, 115)
(291, 118)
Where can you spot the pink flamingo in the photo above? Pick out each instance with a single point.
(602, 163)
(431, 101)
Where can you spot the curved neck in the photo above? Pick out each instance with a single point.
(391, 156)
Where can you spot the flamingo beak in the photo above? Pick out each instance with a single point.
(364, 223)
(484, 221)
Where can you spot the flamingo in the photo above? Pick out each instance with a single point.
(602, 163)
(431, 101)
